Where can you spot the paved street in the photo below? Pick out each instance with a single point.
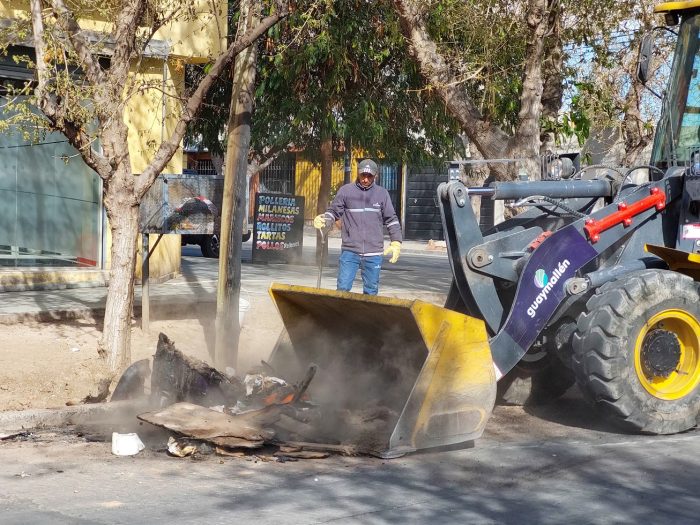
(419, 273)
(553, 464)
(527, 469)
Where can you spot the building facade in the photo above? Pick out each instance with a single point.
(52, 223)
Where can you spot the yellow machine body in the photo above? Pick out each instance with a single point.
(677, 260)
(427, 369)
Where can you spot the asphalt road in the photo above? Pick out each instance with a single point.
(422, 272)
(553, 464)
(557, 466)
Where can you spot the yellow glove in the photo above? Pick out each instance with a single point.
(395, 250)
(320, 222)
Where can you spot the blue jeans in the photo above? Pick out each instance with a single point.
(348, 264)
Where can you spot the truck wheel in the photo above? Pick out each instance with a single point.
(534, 382)
(210, 246)
(637, 351)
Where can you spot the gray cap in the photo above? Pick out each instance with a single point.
(368, 166)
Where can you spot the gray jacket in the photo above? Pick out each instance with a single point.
(365, 212)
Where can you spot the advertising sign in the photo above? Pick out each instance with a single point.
(278, 227)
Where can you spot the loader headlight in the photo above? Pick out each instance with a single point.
(560, 168)
(554, 169)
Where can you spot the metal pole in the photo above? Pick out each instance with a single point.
(145, 274)
(321, 260)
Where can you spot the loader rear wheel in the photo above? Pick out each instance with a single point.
(637, 351)
(535, 382)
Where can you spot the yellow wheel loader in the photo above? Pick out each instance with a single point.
(598, 275)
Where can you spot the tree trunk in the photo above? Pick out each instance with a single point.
(553, 67)
(233, 209)
(490, 140)
(635, 133)
(526, 142)
(123, 215)
(486, 136)
(324, 189)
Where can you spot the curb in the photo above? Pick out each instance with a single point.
(39, 418)
(161, 308)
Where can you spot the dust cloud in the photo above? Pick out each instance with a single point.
(362, 384)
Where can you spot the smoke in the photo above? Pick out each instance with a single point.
(366, 372)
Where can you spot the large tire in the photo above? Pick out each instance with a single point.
(637, 352)
(210, 246)
(534, 383)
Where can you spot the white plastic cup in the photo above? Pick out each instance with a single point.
(126, 444)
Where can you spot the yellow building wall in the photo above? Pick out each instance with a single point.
(144, 112)
(13, 8)
(203, 36)
(198, 39)
(165, 259)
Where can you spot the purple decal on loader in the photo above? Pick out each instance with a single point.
(541, 287)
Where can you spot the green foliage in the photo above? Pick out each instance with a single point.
(602, 39)
(486, 42)
(339, 68)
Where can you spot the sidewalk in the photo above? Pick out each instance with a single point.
(196, 285)
(413, 247)
(50, 337)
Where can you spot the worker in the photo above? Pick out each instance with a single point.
(366, 208)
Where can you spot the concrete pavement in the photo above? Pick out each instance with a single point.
(192, 295)
(196, 285)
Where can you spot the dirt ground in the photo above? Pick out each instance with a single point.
(46, 365)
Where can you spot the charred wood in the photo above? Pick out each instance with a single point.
(177, 377)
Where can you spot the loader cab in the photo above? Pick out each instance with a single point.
(678, 131)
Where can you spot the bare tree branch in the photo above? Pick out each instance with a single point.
(488, 138)
(168, 147)
(42, 70)
(51, 107)
(125, 39)
(257, 162)
(70, 26)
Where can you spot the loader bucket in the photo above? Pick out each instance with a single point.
(393, 375)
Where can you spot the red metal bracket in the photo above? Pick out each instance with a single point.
(594, 228)
(539, 240)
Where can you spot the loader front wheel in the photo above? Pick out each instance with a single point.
(637, 351)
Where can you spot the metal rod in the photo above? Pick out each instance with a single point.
(557, 189)
(600, 277)
(145, 274)
(489, 161)
(160, 236)
(321, 258)
(481, 191)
